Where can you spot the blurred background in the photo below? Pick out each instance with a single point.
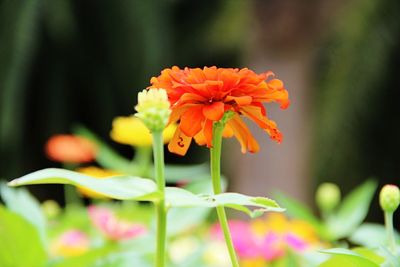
(68, 62)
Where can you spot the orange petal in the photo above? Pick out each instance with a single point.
(275, 84)
(255, 114)
(191, 98)
(240, 100)
(180, 143)
(228, 131)
(215, 111)
(191, 121)
(243, 135)
(177, 112)
(200, 139)
(208, 132)
(274, 132)
(204, 137)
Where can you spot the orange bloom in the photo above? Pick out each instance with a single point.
(200, 97)
(70, 149)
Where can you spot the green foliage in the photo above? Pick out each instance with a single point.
(25, 205)
(341, 222)
(371, 235)
(352, 211)
(352, 258)
(20, 244)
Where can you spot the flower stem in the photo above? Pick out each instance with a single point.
(71, 195)
(215, 152)
(143, 158)
(158, 149)
(389, 231)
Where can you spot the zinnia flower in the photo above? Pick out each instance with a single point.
(112, 227)
(200, 97)
(132, 131)
(71, 243)
(70, 149)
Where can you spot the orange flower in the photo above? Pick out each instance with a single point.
(200, 97)
(70, 149)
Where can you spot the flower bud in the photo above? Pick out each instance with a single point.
(153, 108)
(327, 196)
(51, 208)
(389, 198)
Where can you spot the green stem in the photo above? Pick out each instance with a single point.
(158, 148)
(142, 159)
(216, 181)
(390, 231)
(71, 195)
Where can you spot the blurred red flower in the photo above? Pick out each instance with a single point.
(70, 149)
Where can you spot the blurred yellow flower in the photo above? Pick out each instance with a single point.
(132, 131)
(280, 224)
(97, 173)
(71, 243)
(257, 262)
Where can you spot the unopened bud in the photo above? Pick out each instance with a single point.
(389, 198)
(51, 208)
(153, 108)
(327, 196)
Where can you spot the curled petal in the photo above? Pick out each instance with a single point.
(256, 114)
(243, 135)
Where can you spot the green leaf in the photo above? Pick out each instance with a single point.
(23, 203)
(298, 210)
(178, 197)
(371, 234)
(352, 211)
(20, 244)
(348, 258)
(135, 188)
(369, 254)
(117, 187)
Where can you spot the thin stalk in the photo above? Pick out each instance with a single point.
(71, 196)
(215, 153)
(390, 231)
(158, 149)
(142, 159)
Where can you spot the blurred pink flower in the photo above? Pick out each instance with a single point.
(268, 238)
(242, 238)
(70, 243)
(112, 227)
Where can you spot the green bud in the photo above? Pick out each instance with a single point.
(389, 198)
(327, 196)
(51, 208)
(153, 108)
